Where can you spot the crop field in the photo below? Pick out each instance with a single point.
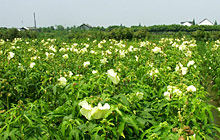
(108, 89)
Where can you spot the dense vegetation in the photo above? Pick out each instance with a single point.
(204, 33)
(106, 89)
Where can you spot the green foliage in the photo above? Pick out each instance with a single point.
(35, 105)
(116, 32)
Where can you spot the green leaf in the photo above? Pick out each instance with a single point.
(54, 89)
(66, 118)
(171, 137)
(29, 121)
(130, 121)
(74, 132)
(63, 127)
(141, 121)
(216, 128)
(121, 128)
(118, 111)
(97, 137)
(208, 137)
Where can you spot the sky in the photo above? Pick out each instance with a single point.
(18, 13)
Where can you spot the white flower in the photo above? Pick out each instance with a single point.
(65, 56)
(62, 81)
(191, 88)
(140, 95)
(75, 50)
(130, 49)
(136, 57)
(34, 58)
(113, 76)
(156, 50)
(136, 49)
(180, 67)
(182, 47)
(108, 52)
(20, 66)
(94, 71)
(122, 53)
(100, 45)
(32, 65)
(75, 44)
(184, 70)
(49, 54)
(62, 50)
(177, 91)
(100, 111)
(190, 63)
(169, 68)
(96, 112)
(104, 61)
(70, 74)
(10, 55)
(92, 52)
(188, 54)
(105, 107)
(1, 52)
(85, 64)
(154, 72)
(193, 137)
(86, 110)
(53, 49)
(170, 88)
(167, 95)
(177, 68)
(83, 50)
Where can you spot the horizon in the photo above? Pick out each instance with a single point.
(196, 23)
(104, 13)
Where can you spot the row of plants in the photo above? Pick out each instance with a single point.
(212, 61)
(103, 89)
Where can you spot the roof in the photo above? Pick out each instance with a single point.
(206, 20)
(87, 25)
(187, 22)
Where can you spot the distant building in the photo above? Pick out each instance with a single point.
(26, 28)
(205, 22)
(85, 26)
(187, 23)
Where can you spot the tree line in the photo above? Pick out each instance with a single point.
(116, 32)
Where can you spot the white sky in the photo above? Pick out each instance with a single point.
(105, 12)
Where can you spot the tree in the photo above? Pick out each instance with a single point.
(60, 27)
(194, 23)
(215, 23)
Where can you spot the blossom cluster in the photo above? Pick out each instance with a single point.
(96, 112)
(174, 91)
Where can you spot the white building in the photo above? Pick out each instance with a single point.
(85, 26)
(187, 23)
(205, 22)
(26, 28)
